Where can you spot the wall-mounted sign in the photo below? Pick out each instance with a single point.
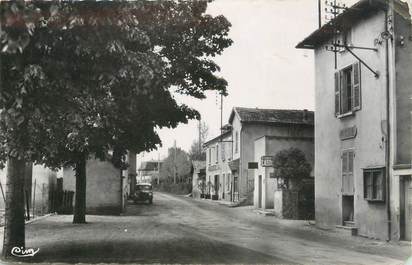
(253, 165)
(214, 167)
(266, 161)
(348, 133)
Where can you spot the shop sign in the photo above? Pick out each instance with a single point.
(267, 161)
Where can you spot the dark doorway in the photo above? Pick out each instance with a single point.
(347, 209)
(405, 207)
(260, 192)
(216, 184)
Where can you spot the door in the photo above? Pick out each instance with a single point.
(405, 208)
(223, 186)
(260, 192)
(216, 185)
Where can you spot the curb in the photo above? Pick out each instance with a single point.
(39, 218)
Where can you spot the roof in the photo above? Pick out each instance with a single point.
(215, 139)
(274, 116)
(347, 19)
(197, 164)
(149, 166)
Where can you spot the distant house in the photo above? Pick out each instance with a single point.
(292, 132)
(249, 124)
(228, 156)
(219, 182)
(363, 124)
(198, 179)
(148, 172)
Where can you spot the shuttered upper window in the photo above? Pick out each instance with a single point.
(223, 150)
(347, 172)
(347, 90)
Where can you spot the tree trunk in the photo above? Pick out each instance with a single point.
(80, 194)
(14, 233)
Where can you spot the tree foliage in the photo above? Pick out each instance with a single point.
(177, 164)
(292, 164)
(93, 76)
(196, 151)
(81, 78)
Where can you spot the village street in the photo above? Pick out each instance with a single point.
(176, 229)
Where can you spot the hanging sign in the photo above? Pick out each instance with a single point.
(266, 161)
(252, 165)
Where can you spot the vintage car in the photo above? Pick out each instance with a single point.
(143, 193)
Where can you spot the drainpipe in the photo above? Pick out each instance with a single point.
(387, 151)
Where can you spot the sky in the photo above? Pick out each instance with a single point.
(263, 68)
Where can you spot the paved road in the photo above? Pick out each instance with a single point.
(182, 230)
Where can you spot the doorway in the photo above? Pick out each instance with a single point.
(347, 209)
(405, 207)
(216, 184)
(260, 192)
(223, 186)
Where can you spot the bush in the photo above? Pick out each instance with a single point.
(178, 188)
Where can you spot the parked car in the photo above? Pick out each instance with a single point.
(143, 193)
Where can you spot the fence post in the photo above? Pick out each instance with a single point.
(34, 198)
(43, 188)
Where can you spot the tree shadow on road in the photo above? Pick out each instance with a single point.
(183, 251)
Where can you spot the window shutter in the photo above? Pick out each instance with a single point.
(337, 94)
(344, 172)
(356, 87)
(351, 186)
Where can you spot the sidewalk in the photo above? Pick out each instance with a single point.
(267, 216)
(219, 202)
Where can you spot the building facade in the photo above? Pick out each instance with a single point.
(363, 135)
(219, 182)
(287, 136)
(229, 155)
(198, 179)
(148, 172)
(249, 124)
(40, 183)
(105, 189)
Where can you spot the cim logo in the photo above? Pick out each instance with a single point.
(22, 252)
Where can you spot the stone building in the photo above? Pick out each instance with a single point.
(363, 120)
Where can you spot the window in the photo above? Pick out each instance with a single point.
(374, 184)
(347, 37)
(347, 172)
(347, 90)
(210, 155)
(217, 153)
(223, 150)
(236, 142)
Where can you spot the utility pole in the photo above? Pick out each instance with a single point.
(320, 13)
(174, 163)
(158, 168)
(200, 136)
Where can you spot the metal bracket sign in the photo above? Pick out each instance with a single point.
(266, 161)
(252, 165)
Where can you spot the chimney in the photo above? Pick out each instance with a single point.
(305, 114)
